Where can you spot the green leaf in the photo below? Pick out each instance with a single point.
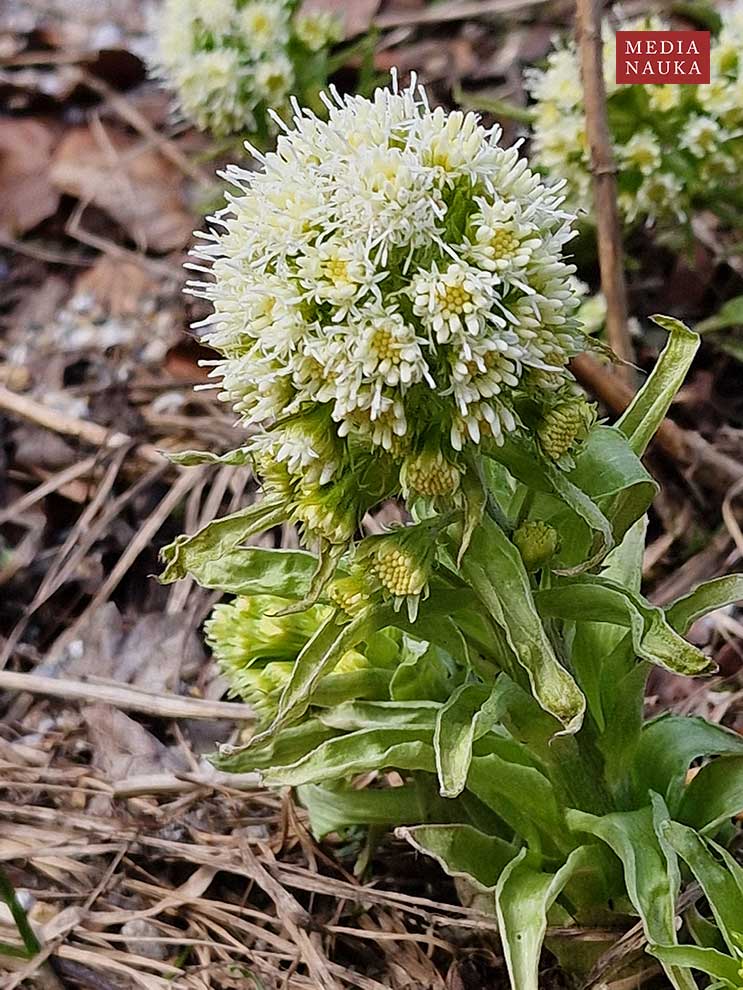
(354, 715)
(190, 458)
(463, 851)
(720, 886)
(667, 747)
(703, 599)
(494, 569)
(258, 571)
(319, 656)
(204, 549)
(584, 517)
(608, 470)
(647, 410)
(603, 600)
(519, 713)
(358, 752)
(523, 897)
(624, 564)
(453, 737)
(708, 961)
(285, 746)
(703, 930)
(522, 796)
(650, 872)
(335, 689)
(326, 567)
(602, 656)
(730, 314)
(475, 499)
(334, 808)
(427, 671)
(714, 795)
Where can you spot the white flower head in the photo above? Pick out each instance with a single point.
(395, 275)
(228, 61)
(701, 135)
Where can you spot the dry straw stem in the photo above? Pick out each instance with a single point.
(603, 167)
(440, 13)
(126, 698)
(92, 433)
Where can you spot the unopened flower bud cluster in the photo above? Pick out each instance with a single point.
(386, 290)
(256, 649)
(677, 147)
(230, 61)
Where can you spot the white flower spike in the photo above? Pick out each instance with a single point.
(390, 276)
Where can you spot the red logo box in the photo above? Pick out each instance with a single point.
(663, 57)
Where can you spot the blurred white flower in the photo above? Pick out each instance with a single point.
(675, 145)
(229, 61)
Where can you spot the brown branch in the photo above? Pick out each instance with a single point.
(603, 167)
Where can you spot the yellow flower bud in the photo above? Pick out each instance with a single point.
(399, 572)
(429, 473)
(348, 594)
(537, 542)
(564, 426)
(328, 512)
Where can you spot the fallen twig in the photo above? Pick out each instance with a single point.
(126, 697)
(158, 784)
(92, 433)
(454, 11)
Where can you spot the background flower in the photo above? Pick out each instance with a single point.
(676, 147)
(229, 62)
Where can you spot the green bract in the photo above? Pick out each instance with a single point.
(678, 148)
(231, 61)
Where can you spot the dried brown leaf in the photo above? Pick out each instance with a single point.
(123, 747)
(132, 183)
(27, 195)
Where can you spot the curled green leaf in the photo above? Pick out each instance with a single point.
(358, 752)
(191, 458)
(204, 550)
(647, 410)
(494, 568)
(523, 896)
(464, 852)
(598, 599)
(703, 599)
(706, 960)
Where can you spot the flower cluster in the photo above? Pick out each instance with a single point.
(677, 147)
(229, 61)
(386, 291)
(256, 649)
